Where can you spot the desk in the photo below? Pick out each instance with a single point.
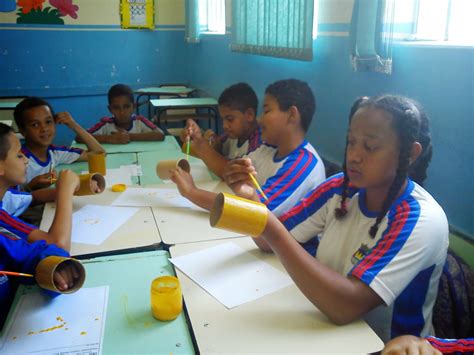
(139, 232)
(282, 322)
(184, 225)
(130, 328)
(208, 103)
(148, 161)
(113, 161)
(9, 103)
(178, 91)
(169, 144)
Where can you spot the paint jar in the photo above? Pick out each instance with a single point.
(85, 184)
(166, 298)
(238, 215)
(96, 162)
(46, 268)
(164, 166)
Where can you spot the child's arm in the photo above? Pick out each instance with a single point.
(85, 137)
(409, 344)
(191, 131)
(42, 196)
(60, 231)
(147, 136)
(184, 181)
(342, 299)
(214, 161)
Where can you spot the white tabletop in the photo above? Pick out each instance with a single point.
(186, 225)
(282, 322)
(138, 232)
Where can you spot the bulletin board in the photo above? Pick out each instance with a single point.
(137, 14)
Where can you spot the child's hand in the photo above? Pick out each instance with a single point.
(408, 344)
(183, 180)
(65, 118)
(120, 137)
(191, 131)
(68, 180)
(42, 181)
(95, 187)
(65, 276)
(236, 175)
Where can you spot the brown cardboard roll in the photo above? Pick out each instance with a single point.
(96, 162)
(238, 215)
(45, 273)
(85, 184)
(164, 166)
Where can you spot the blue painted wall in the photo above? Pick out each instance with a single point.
(73, 69)
(440, 78)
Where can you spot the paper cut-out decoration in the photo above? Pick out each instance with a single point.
(32, 11)
(7, 5)
(137, 14)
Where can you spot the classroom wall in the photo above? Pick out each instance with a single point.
(73, 65)
(441, 78)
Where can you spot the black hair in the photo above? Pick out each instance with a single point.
(120, 90)
(412, 125)
(5, 131)
(25, 105)
(240, 97)
(293, 92)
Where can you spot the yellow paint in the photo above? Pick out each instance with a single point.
(83, 333)
(166, 298)
(47, 329)
(119, 188)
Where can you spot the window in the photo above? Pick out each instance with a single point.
(212, 16)
(445, 20)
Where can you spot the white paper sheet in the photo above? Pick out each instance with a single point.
(133, 169)
(231, 275)
(93, 224)
(72, 324)
(151, 197)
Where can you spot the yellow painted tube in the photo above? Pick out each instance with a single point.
(45, 269)
(164, 166)
(85, 184)
(238, 215)
(96, 163)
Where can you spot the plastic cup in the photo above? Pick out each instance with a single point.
(166, 298)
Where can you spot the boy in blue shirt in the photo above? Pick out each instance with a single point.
(37, 123)
(23, 246)
(124, 125)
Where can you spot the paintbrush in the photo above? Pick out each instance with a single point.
(13, 273)
(255, 182)
(188, 142)
(52, 180)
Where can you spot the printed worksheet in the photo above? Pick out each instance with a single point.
(68, 324)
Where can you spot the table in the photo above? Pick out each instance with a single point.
(282, 322)
(130, 328)
(138, 233)
(209, 103)
(178, 91)
(9, 103)
(185, 225)
(113, 161)
(148, 161)
(169, 144)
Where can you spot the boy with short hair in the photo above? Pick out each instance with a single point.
(36, 121)
(286, 165)
(124, 125)
(23, 246)
(238, 109)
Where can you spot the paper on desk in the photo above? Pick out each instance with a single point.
(72, 323)
(133, 169)
(93, 224)
(230, 274)
(151, 197)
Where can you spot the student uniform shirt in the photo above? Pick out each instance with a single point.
(231, 148)
(449, 346)
(138, 124)
(15, 202)
(286, 180)
(402, 264)
(56, 155)
(13, 226)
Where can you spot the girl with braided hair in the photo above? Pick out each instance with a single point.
(383, 237)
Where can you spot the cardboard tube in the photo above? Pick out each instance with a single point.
(238, 215)
(164, 166)
(96, 162)
(45, 273)
(166, 298)
(85, 187)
